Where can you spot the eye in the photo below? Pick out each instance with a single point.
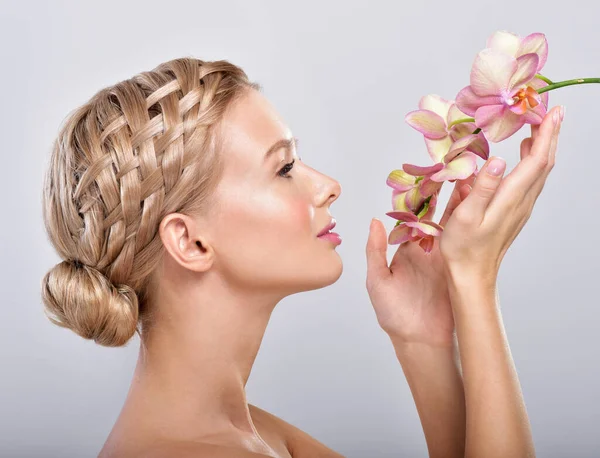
(286, 170)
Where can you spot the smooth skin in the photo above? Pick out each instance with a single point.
(421, 300)
(223, 274)
(187, 396)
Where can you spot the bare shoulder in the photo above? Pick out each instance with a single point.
(190, 450)
(300, 443)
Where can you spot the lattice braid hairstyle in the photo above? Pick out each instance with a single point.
(135, 152)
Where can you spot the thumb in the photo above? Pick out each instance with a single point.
(485, 186)
(377, 265)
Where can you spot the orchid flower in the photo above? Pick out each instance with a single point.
(410, 228)
(439, 120)
(503, 96)
(407, 194)
(505, 92)
(456, 164)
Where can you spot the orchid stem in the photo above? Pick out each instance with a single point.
(543, 78)
(459, 121)
(567, 83)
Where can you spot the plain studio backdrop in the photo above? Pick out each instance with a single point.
(343, 74)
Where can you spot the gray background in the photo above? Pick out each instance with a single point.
(343, 75)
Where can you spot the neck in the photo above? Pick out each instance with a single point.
(194, 362)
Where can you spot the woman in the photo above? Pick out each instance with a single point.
(183, 214)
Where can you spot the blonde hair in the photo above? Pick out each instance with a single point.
(135, 152)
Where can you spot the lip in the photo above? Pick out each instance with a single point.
(327, 228)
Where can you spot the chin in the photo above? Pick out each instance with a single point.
(327, 274)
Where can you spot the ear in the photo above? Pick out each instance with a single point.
(183, 241)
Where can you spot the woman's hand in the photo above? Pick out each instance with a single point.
(485, 224)
(412, 304)
(410, 297)
(474, 241)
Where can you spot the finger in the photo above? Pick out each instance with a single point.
(526, 147)
(377, 265)
(534, 164)
(529, 176)
(535, 129)
(464, 191)
(537, 187)
(458, 195)
(484, 188)
(555, 144)
(452, 203)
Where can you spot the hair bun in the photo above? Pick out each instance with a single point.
(81, 298)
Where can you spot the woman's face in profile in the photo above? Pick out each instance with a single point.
(268, 218)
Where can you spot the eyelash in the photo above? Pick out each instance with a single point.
(288, 167)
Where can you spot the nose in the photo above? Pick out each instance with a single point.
(329, 191)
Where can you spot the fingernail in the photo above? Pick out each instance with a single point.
(562, 112)
(496, 166)
(556, 116)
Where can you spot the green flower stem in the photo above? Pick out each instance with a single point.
(553, 86)
(543, 78)
(425, 207)
(459, 121)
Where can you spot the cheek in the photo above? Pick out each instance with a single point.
(286, 218)
(265, 222)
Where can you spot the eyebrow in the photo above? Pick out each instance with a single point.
(286, 143)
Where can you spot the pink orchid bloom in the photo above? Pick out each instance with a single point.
(502, 96)
(413, 229)
(456, 164)
(406, 195)
(435, 118)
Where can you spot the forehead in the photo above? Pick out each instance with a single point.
(251, 126)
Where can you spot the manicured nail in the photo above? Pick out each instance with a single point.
(496, 166)
(562, 112)
(556, 117)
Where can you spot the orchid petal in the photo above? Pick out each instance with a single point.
(480, 147)
(537, 83)
(413, 199)
(400, 180)
(535, 115)
(418, 171)
(400, 234)
(526, 69)
(459, 146)
(427, 244)
(468, 101)
(504, 41)
(461, 130)
(431, 206)
(497, 122)
(429, 187)
(399, 201)
(460, 168)
(437, 149)
(455, 113)
(432, 224)
(428, 123)
(435, 103)
(403, 216)
(424, 228)
(519, 108)
(536, 43)
(491, 73)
